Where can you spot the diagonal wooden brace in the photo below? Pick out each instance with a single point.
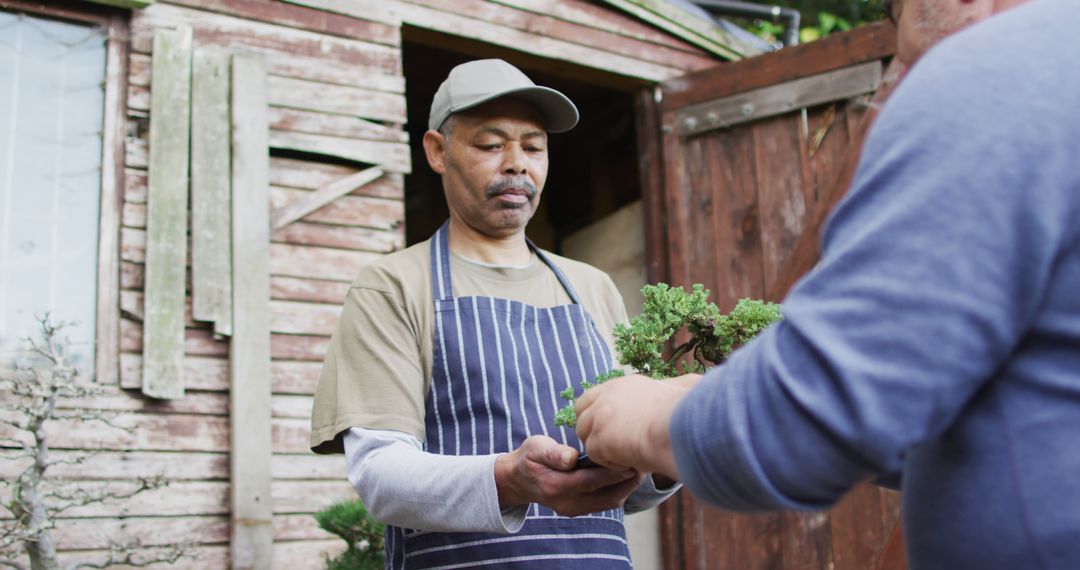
(293, 211)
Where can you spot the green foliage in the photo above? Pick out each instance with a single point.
(819, 17)
(567, 416)
(667, 311)
(362, 534)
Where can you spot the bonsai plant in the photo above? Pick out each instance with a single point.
(362, 534)
(667, 311)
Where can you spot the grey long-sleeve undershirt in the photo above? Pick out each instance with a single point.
(402, 485)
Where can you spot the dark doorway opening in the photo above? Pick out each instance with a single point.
(593, 168)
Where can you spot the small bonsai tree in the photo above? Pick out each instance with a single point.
(363, 536)
(667, 311)
(33, 391)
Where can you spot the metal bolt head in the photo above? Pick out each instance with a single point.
(747, 109)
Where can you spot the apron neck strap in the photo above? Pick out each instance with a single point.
(442, 285)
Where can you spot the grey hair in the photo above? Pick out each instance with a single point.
(447, 127)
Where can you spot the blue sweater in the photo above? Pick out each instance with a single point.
(940, 333)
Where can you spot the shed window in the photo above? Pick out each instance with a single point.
(52, 104)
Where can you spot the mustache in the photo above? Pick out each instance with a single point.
(519, 183)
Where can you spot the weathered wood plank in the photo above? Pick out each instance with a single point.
(281, 287)
(296, 407)
(201, 342)
(777, 143)
(304, 318)
(464, 26)
(805, 253)
(209, 373)
(134, 185)
(90, 534)
(285, 316)
(312, 122)
(291, 554)
(107, 325)
(764, 102)
(161, 432)
(211, 191)
(198, 342)
(131, 275)
(196, 403)
(197, 498)
(318, 262)
(309, 175)
(867, 43)
(300, 67)
(281, 14)
(678, 22)
(806, 540)
(342, 237)
(299, 105)
(394, 157)
(353, 211)
(133, 215)
(251, 439)
(337, 99)
(275, 42)
(300, 347)
(583, 13)
(136, 151)
(651, 171)
(357, 211)
(311, 290)
(177, 465)
(167, 215)
(732, 187)
(297, 209)
(544, 25)
(858, 531)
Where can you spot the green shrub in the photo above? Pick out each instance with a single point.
(667, 311)
(362, 534)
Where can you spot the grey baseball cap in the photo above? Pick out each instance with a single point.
(483, 80)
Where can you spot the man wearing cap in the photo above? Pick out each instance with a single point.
(442, 379)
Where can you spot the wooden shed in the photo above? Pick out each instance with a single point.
(254, 154)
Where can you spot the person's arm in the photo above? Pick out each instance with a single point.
(404, 486)
(439, 492)
(933, 268)
(654, 489)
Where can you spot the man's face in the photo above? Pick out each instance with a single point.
(493, 163)
(922, 23)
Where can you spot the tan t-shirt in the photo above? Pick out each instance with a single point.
(378, 370)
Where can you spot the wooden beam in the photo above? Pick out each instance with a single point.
(394, 157)
(778, 99)
(651, 171)
(167, 207)
(133, 4)
(868, 43)
(211, 192)
(106, 357)
(295, 210)
(250, 405)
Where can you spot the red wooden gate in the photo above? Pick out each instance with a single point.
(738, 179)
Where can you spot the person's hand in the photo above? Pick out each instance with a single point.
(686, 381)
(624, 422)
(543, 471)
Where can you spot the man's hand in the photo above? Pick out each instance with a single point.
(624, 422)
(542, 471)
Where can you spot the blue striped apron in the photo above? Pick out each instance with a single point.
(498, 368)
